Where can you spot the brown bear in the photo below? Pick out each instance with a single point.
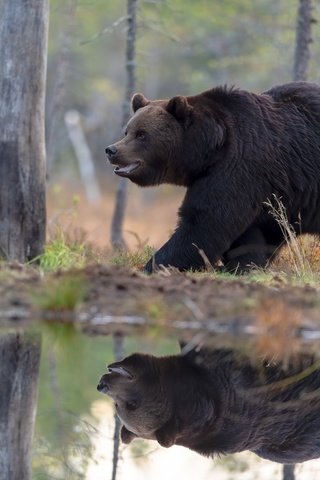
(234, 151)
(216, 402)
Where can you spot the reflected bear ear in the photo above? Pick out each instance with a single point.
(138, 101)
(179, 108)
(126, 435)
(167, 434)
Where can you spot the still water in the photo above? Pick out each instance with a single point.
(75, 424)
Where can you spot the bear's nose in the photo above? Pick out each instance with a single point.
(111, 150)
(102, 385)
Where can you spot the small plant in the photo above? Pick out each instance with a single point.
(63, 253)
(297, 255)
(60, 293)
(135, 259)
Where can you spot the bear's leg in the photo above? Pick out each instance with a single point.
(248, 251)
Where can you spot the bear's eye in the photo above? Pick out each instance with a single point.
(126, 133)
(140, 135)
(132, 405)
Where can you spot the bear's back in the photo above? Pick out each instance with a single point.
(305, 95)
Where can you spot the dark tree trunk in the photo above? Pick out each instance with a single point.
(23, 40)
(19, 368)
(288, 472)
(300, 73)
(117, 239)
(118, 355)
(303, 40)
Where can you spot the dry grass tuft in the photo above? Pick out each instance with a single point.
(277, 323)
(298, 258)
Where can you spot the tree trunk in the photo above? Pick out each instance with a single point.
(288, 472)
(303, 40)
(23, 40)
(118, 355)
(60, 84)
(85, 161)
(19, 368)
(117, 239)
(300, 73)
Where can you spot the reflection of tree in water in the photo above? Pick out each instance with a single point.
(70, 368)
(65, 429)
(63, 441)
(68, 459)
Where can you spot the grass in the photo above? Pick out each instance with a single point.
(63, 253)
(297, 264)
(66, 252)
(299, 259)
(136, 259)
(60, 293)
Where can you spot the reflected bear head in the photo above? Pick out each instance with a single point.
(217, 402)
(143, 399)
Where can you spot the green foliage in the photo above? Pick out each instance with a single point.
(136, 259)
(183, 46)
(60, 293)
(71, 365)
(69, 372)
(60, 253)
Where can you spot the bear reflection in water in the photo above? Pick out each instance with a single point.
(234, 151)
(218, 402)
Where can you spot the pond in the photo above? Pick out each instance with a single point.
(75, 423)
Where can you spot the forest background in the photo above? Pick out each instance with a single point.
(182, 47)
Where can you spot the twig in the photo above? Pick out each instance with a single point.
(106, 30)
(118, 354)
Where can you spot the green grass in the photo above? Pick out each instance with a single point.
(60, 294)
(65, 292)
(60, 253)
(136, 259)
(297, 264)
(64, 253)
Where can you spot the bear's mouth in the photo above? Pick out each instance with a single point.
(127, 169)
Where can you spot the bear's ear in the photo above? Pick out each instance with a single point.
(126, 435)
(179, 108)
(138, 101)
(219, 136)
(167, 434)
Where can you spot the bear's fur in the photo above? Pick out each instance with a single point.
(234, 151)
(218, 403)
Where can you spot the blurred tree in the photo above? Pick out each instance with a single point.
(288, 472)
(300, 73)
(182, 47)
(117, 239)
(118, 349)
(59, 92)
(19, 368)
(303, 40)
(23, 40)
(78, 139)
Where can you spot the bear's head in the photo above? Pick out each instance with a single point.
(166, 141)
(152, 143)
(142, 392)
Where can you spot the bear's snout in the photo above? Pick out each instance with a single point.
(103, 386)
(111, 151)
